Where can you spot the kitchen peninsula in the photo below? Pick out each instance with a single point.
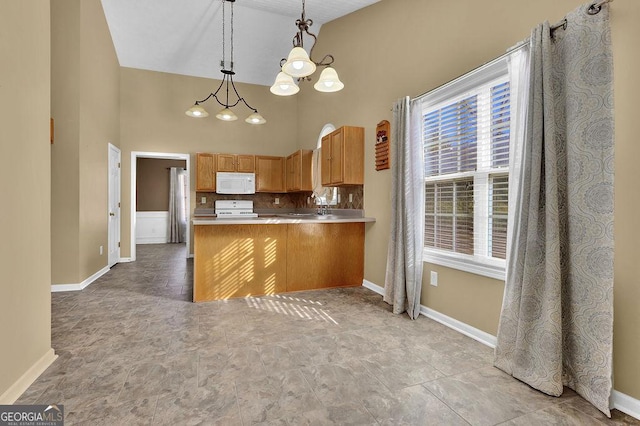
(275, 254)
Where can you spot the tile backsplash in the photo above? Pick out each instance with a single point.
(291, 200)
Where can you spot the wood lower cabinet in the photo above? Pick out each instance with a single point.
(238, 261)
(342, 157)
(205, 172)
(323, 255)
(252, 260)
(241, 163)
(299, 171)
(270, 174)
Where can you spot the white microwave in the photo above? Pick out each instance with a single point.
(235, 183)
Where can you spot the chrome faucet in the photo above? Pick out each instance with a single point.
(323, 209)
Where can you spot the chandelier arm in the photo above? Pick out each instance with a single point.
(213, 94)
(329, 58)
(239, 97)
(225, 105)
(205, 99)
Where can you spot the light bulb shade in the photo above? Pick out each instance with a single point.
(284, 85)
(298, 63)
(328, 81)
(226, 115)
(255, 118)
(196, 111)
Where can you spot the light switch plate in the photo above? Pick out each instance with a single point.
(277, 201)
(203, 200)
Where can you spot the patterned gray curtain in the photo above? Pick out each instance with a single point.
(403, 280)
(556, 326)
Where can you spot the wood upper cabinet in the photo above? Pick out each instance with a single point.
(298, 171)
(205, 172)
(236, 163)
(270, 174)
(342, 157)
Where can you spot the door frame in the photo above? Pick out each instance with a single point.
(118, 185)
(134, 165)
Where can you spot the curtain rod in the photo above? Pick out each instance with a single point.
(593, 9)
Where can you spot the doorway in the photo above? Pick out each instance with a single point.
(134, 187)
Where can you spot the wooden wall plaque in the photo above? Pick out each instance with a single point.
(382, 145)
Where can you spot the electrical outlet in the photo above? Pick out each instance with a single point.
(276, 201)
(101, 249)
(203, 200)
(434, 278)
(351, 198)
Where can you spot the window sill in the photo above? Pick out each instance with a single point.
(493, 268)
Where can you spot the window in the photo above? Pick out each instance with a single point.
(466, 134)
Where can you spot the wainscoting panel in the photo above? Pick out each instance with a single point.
(151, 227)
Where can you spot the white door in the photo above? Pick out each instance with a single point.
(114, 205)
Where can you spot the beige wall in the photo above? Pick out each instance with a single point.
(25, 252)
(99, 126)
(152, 190)
(153, 120)
(626, 338)
(397, 48)
(85, 105)
(65, 153)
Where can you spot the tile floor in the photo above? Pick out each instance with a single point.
(134, 350)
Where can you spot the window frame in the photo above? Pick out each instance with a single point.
(480, 263)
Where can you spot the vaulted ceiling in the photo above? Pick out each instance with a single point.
(185, 37)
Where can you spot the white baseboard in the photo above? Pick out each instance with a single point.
(619, 400)
(77, 287)
(373, 287)
(12, 394)
(453, 323)
(625, 403)
(125, 260)
(459, 326)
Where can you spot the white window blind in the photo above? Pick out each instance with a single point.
(466, 134)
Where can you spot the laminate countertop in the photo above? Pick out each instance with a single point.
(276, 219)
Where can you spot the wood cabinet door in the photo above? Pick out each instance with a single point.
(325, 160)
(245, 163)
(337, 156)
(294, 167)
(306, 158)
(290, 184)
(226, 163)
(352, 155)
(270, 174)
(205, 172)
(322, 255)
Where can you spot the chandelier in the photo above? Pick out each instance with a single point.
(300, 65)
(226, 114)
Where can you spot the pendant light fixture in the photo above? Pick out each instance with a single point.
(300, 65)
(226, 114)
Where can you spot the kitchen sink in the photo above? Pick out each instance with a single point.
(314, 216)
(299, 215)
